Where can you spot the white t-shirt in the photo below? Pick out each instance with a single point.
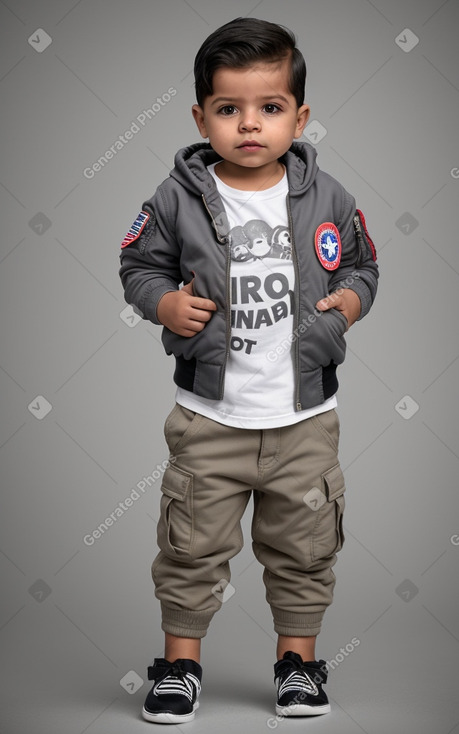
(259, 377)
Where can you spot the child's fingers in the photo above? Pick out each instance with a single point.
(325, 303)
(198, 317)
(346, 301)
(204, 304)
(188, 288)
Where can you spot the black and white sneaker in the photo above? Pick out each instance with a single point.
(299, 686)
(174, 696)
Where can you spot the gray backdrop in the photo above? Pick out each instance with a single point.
(85, 386)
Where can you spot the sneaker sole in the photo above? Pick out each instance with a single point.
(302, 709)
(169, 718)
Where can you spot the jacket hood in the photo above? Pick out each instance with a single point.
(190, 167)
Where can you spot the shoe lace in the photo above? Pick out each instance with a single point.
(295, 675)
(176, 680)
(176, 670)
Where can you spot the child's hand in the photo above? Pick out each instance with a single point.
(183, 313)
(344, 300)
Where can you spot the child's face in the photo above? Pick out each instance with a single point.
(252, 104)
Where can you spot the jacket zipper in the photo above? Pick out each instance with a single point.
(296, 315)
(358, 232)
(227, 299)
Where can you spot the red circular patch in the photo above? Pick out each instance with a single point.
(328, 245)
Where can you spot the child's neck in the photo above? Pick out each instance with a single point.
(250, 179)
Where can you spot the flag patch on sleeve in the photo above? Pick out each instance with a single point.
(136, 229)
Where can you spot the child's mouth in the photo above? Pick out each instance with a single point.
(250, 145)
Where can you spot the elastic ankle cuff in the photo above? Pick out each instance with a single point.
(185, 622)
(292, 624)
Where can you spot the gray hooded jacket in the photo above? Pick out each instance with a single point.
(183, 234)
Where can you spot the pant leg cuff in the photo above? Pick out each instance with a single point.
(185, 622)
(293, 624)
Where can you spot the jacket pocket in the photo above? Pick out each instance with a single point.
(328, 535)
(342, 319)
(335, 326)
(176, 522)
(322, 338)
(208, 345)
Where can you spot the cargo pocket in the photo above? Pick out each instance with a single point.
(328, 535)
(175, 525)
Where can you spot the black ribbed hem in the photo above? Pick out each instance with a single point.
(185, 370)
(329, 380)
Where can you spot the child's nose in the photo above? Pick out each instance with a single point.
(250, 121)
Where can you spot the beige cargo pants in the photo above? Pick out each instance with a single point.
(298, 489)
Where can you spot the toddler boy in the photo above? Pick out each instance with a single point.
(256, 263)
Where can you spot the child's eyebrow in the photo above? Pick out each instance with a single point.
(236, 100)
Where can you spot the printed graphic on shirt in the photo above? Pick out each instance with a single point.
(258, 301)
(261, 284)
(256, 239)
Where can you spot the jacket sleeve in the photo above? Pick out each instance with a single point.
(358, 269)
(150, 259)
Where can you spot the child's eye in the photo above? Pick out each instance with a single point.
(271, 109)
(227, 110)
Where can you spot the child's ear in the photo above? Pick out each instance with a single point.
(302, 117)
(198, 115)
